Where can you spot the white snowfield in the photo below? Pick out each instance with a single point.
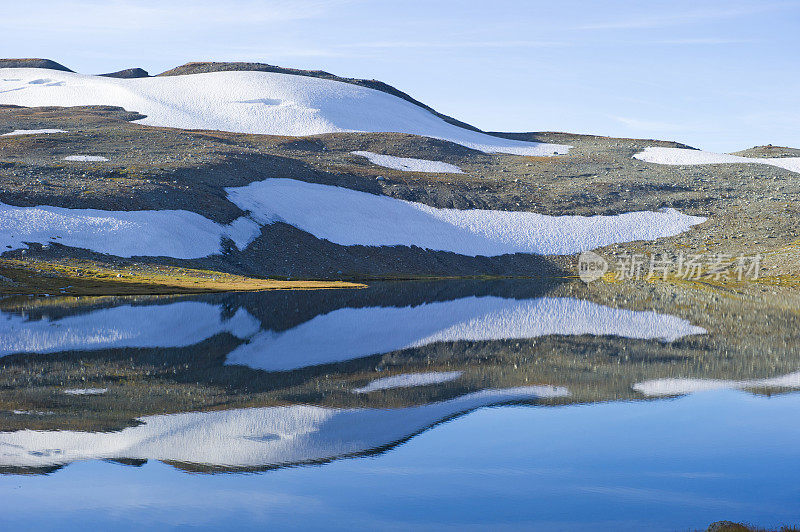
(31, 132)
(85, 158)
(666, 387)
(251, 437)
(251, 102)
(339, 215)
(86, 391)
(683, 156)
(352, 333)
(178, 234)
(349, 217)
(173, 325)
(409, 380)
(408, 164)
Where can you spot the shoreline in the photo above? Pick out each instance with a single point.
(89, 278)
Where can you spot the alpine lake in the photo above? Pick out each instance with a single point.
(506, 404)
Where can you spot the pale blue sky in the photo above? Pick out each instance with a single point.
(721, 75)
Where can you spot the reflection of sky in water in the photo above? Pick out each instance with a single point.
(656, 465)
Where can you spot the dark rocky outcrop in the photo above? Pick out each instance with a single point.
(566, 138)
(128, 73)
(33, 63)
(769, 151)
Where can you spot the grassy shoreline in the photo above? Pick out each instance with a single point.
(82, 277)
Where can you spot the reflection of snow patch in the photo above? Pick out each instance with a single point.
(408, 164)
(409, 380)
(349, 218)
(86, 391)
(683, 156)
(664, 387)
(351, 333)
(173, 325)
(85, 158)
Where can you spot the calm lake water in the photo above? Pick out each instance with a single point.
(448, 405)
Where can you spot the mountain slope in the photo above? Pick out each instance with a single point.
(313, 206)
(33, 63)
(128, 73)
(201, 67)
(251, 102)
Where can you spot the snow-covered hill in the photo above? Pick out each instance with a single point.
(250, 102)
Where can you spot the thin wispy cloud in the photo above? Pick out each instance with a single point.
(711, 41)
(679, 17)
(455, 44)
(151, 15)
(646, 125)
(670, 69)
(657, 127)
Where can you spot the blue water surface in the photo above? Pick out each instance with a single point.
(668, 464)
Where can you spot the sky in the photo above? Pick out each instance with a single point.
(717, 75)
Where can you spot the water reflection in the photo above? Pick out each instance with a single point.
(663, 387)
(261, 380)
(354, 333)
(154, 325)
(250, 437)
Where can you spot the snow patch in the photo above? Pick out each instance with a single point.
(408, 164)
(351, 333)
(178, 234)
(173, 325)
(409, 380)
(249, 437)
(665, 387)
(216, 101)
(339, 215)
(86, 391)
(349, 217)
(85, 158)
(683, 156)
(32, 132)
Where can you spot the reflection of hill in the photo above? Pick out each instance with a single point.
(251, 437)
(299, 306)
(484, 335)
